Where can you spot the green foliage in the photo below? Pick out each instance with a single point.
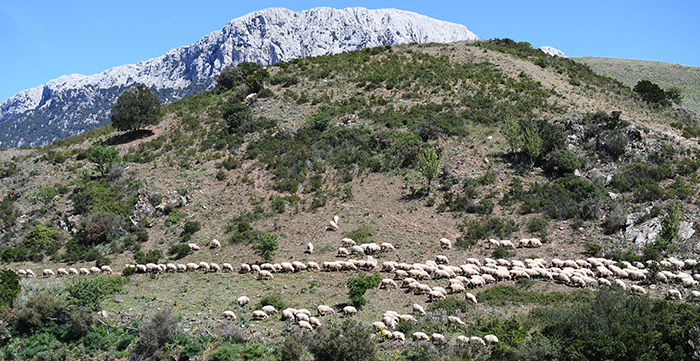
(451, 305)
(42, 241)
(567, 197)
(475, 230)
(136, 108)
(179, 250)
(357, 286)
(153, 256)
(154, 336)
(191, 227)
(537, 224)
(653, 94)
(265, 245)
(360, 234)
(319, 121)
(46, 194)
(10, 287)
(236, 115)
(101, 195)
(510, 129)
(503, 295)
(563, 161)
(272, 300)
(502, 252)
(103, 157)
(428, 163)
(36, 310)
(99, 228)
(349, 341)
(251, 76)
(89, 292)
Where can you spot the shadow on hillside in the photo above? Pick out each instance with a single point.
(129, 137)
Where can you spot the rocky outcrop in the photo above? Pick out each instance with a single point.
(553, 51)
(74, 104)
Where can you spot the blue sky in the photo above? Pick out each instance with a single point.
(42, 40)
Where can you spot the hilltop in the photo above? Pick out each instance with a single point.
(343, 135)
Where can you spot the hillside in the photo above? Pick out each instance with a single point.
(587, 168)
(629, 72)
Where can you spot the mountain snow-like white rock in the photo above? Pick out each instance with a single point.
(553, 51)
(73, 104)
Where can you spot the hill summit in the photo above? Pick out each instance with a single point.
(73, 104)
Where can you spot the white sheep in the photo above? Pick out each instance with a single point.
(695, 295)
(226, 267)
(477, 341)
(420, 336)
(398, 335)
(259, 315)
(436, 294)
(378, 325)
(106, 269)
(457, 288)
(471, 298)
(445, 243)
(387, 247)
(674, 295)
(313, 321)
(215, 243)
(243, 300)
(342, 252)
(72, 271)
(61, 272)
(535, 243)
(31, 273)
(332, 226)
(229, 315)
(437, 338)
(349, 311)
(205, 266)
(507, 244)
(494, 243)
(455, 319)
(638, 290)
(171, 267)
(324, 310)
(490, 339)
(191, 266)
(336, 219)
(418, 309)
(95, 270)
(245, 268)
(306, 325)
(440, 259)
(181, 267)
(269, 309)
(309, 248)
(263, 274)
(287, 267)
(313, 266)
(288, 315)
(407, 318)
(387, 282)
(347, 242)
(48, 273)
(193, 246)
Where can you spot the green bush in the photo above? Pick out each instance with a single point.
(10, 287)
(273, 300)
(153, 256)
(563, 161)
(359, 234)
(651, 93)
(451, 305)
(136, 107)
(191, 227)
(349, 341)
(357, 286)
(38, 308)
(99, 228)
(42, 241)
(265, 245)
(89, 292)
(154, 336)
(179, 250)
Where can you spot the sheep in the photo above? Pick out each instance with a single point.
(191, 266)
(287, 267)
(313, 266)
(313, 321)
(349, 311)
(440, 259)
(72, 271)
(436, 294)
(205, 266)
(265, 275)
(229, 315)
(418, 309)
(455, 319)
(245, 268)
(620, 283)
(304, 311)
(638, 290)
(61, 272)
(457, 288)
(420, 336)
(398, 335)
(347, 242)
(525, 242)
(332, 226)
(490, 339)
(171, 267)
(324, 310)
(306, 325)
(407, 318)
(31, 273)
(287, 315)
(309, 248)
(535, 243)
(106, 269)
(695, 295)
(378, 325)
(259, 315)
(471, 298)
(336, 219)
(243, 300)
(181, 267)
(48, 273)
(507, 244)
(387, 282)
(390, 321)
(494, 243)
(215, 243)
(342, 252)
(193, 246)
(477, 341)
(269, 309)
(226, 267)
(445, 243)
(437, 338)
(387, 247)
(95, 270)
(298, 266)
(674, 295)
(21, 272)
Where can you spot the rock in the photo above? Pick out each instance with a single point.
(648, 232)
(633, 218)
(553, 51)
(613, 195)
(685, 230)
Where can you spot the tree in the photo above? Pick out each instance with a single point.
(428, 164)
(103, 157)
(512, 132)
(10, 287)
(653, 94)
(265, 246)
(246, 73)
(532, 142)
(357, 286)
(136, 107)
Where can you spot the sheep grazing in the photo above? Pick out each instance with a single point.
(507, 244)
(72, 271)
(342, 252)
(535, 243)
(387, 282)
(490, 339)
(21, 272)
(493, 243)
(214, 267)
(226, 267)
(420, 336)
(215, 243)
(204, 266)
(269, 309)
(302, 317)
(455, 320)
(471, 298)
(387, 247)
(245, 268)
(106, 269)
(288, 314)
(695, 295)
(349, 311)
(48, 273)
(193, 246)
(438, 339)
(313, 321)
(445, 243)
(313, 266)
(61, 272)
(378, 325)
(674, 295)
(263, 274)
(324, 310)
(336, 219)
(418, 309)
(332, 226)
(638, 290)
(181, 267)
(440, 259)
(243, 300)
(95, 270)
(477, 341)
(306, 325)
(398, 335)
(229, 315)
(309, 248)
(85, 271)
(347, 242)
(259, 315)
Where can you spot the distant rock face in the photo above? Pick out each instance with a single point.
(553, 51)
(73, 104)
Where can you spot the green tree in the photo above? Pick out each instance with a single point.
(137, 107)
(532, 142)
(651, 93)
(675, 95)
(349, 342)
(428, 164)
(249, 74)
(265, 245)
(236, 114)
(42, 241)
(357, 286)
(10, 287)
(103, 157)
(511, 130)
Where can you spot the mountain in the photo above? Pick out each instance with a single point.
(73, 104)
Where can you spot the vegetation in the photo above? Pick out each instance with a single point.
(9, 287)
(136, 108)
(357, 286)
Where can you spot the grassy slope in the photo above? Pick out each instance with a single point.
(380, 199)
(629, 72)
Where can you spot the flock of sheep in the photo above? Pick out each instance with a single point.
(415, 278)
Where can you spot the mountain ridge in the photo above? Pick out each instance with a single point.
(73, 104)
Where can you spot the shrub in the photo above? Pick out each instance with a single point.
(192, 227)
(235, 114)
(99, 228)
(135, 108)
(42, 241)
(357, 286)
(615, 143)
(153, 256)
(179, 250)
(359, 234)
(502, 252)
(451, 305)
(350, 341)
(36, 310)
(651, 93)
(537, 224)
(265, 245)
(563, 161)
(10, 287)
(89, 292)
(273, 300)
(103, 157)
(154, 336)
